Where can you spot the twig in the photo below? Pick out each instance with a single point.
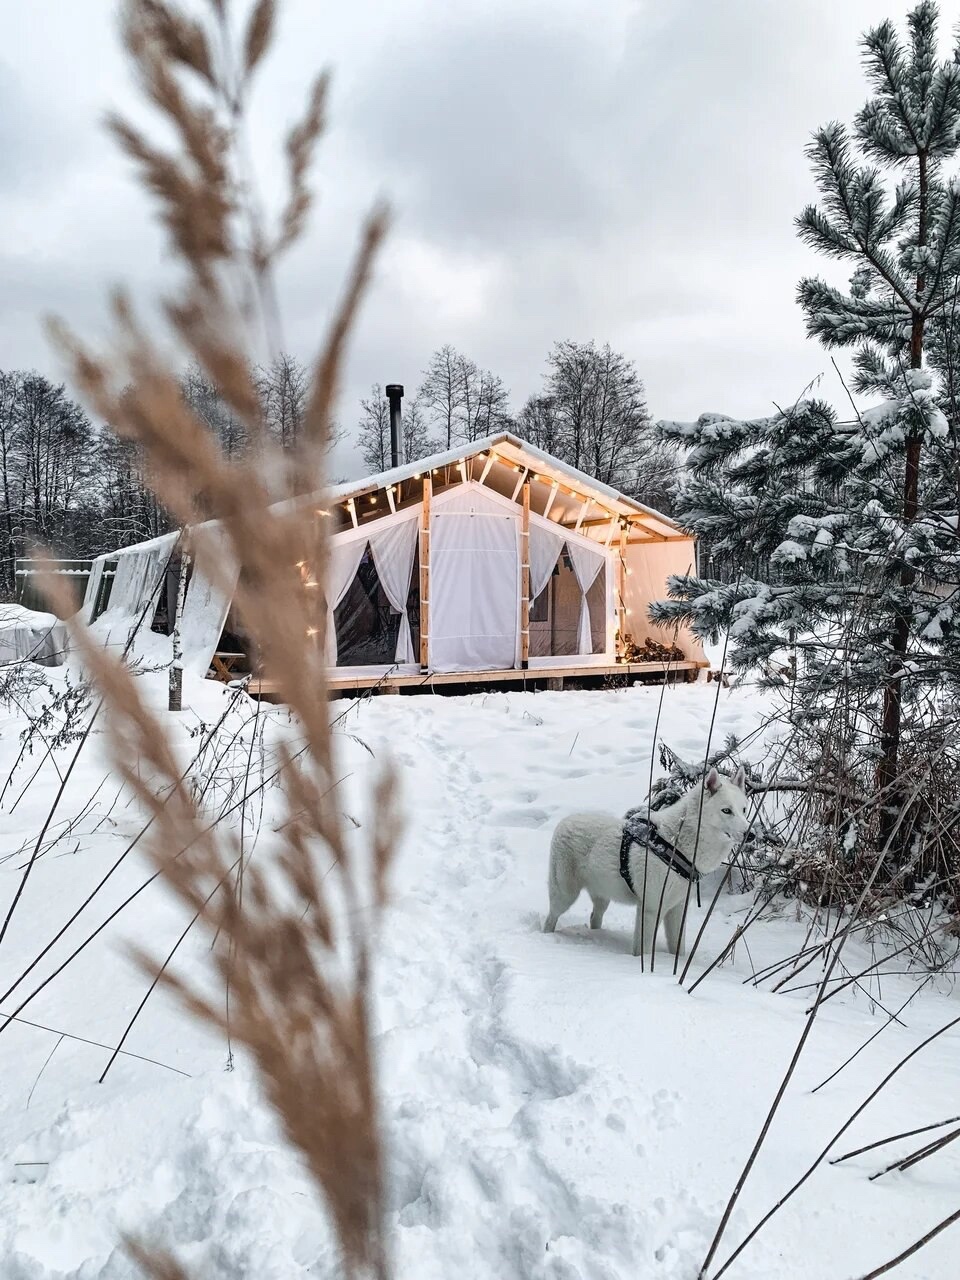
(914, 1248)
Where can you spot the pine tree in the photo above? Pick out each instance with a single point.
(859, 518)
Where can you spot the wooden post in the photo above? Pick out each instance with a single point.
(425, 574)
(525, 579)
(175, 690)
(622, 591)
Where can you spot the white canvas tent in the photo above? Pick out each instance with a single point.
(490, 558)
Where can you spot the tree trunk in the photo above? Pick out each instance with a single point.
(889, 782)
(175, 701)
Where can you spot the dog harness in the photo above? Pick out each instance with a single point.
(640, 830)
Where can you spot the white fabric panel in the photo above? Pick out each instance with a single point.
(342, 566)
(393, 552)
(586, 565)
(474, 584)
(93, 588)
(135, 590)
(126, 584)
(206, 605)
(650, 565)
(545, 548)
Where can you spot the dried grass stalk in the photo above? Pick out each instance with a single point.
(296, 946)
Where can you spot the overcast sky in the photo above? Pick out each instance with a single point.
(624, 170)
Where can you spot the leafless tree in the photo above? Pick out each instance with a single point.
(373, 434)
(463, 401)
(207, 403)
(601, 414)
(283, 385)
(539, 425)
(416, 431)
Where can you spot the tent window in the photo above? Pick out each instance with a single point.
(555, 613)
(367, 626)
(555, 616)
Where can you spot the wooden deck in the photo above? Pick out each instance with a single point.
(534, 678)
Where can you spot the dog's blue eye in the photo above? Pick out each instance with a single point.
(727, 811)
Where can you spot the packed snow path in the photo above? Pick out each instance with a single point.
(552, 1113)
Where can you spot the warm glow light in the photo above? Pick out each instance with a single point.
(373, 499)
(301, 563)
(417, 476)
(311, 631)
(310, 583)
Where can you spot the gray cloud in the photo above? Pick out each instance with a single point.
(627, 171)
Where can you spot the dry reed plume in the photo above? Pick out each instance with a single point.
(295, 944)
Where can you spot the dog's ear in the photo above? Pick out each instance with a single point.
(740, 778)
(712, 782)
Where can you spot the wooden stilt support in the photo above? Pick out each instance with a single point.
(425, 574)
(525, 579)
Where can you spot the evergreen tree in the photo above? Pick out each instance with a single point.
(858, 518)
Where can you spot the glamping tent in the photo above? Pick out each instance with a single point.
(481, 562)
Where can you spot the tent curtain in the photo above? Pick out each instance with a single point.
(393, 553)
(586, 565)
(344, 562)
(474, 583)
(545, 549)
(207, 603)
(93, 588)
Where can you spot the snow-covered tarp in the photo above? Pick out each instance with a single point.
(27, 635)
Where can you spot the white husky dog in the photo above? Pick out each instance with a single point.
(589, 851)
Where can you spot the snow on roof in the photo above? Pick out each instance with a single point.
(506, 444)
(510, 447)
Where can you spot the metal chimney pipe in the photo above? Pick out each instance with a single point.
(394, 395)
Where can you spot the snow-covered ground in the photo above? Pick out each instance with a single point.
(552, 1112)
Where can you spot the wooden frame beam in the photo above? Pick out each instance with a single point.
(525, 579)
(425, 574)
(622, 592)
(550, 497)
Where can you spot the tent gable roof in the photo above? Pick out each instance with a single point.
(511, 449)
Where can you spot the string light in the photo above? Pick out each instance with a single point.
(311, 631)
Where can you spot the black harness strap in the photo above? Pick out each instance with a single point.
(640, 830)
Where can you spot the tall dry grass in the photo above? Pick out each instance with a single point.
(294, 945)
